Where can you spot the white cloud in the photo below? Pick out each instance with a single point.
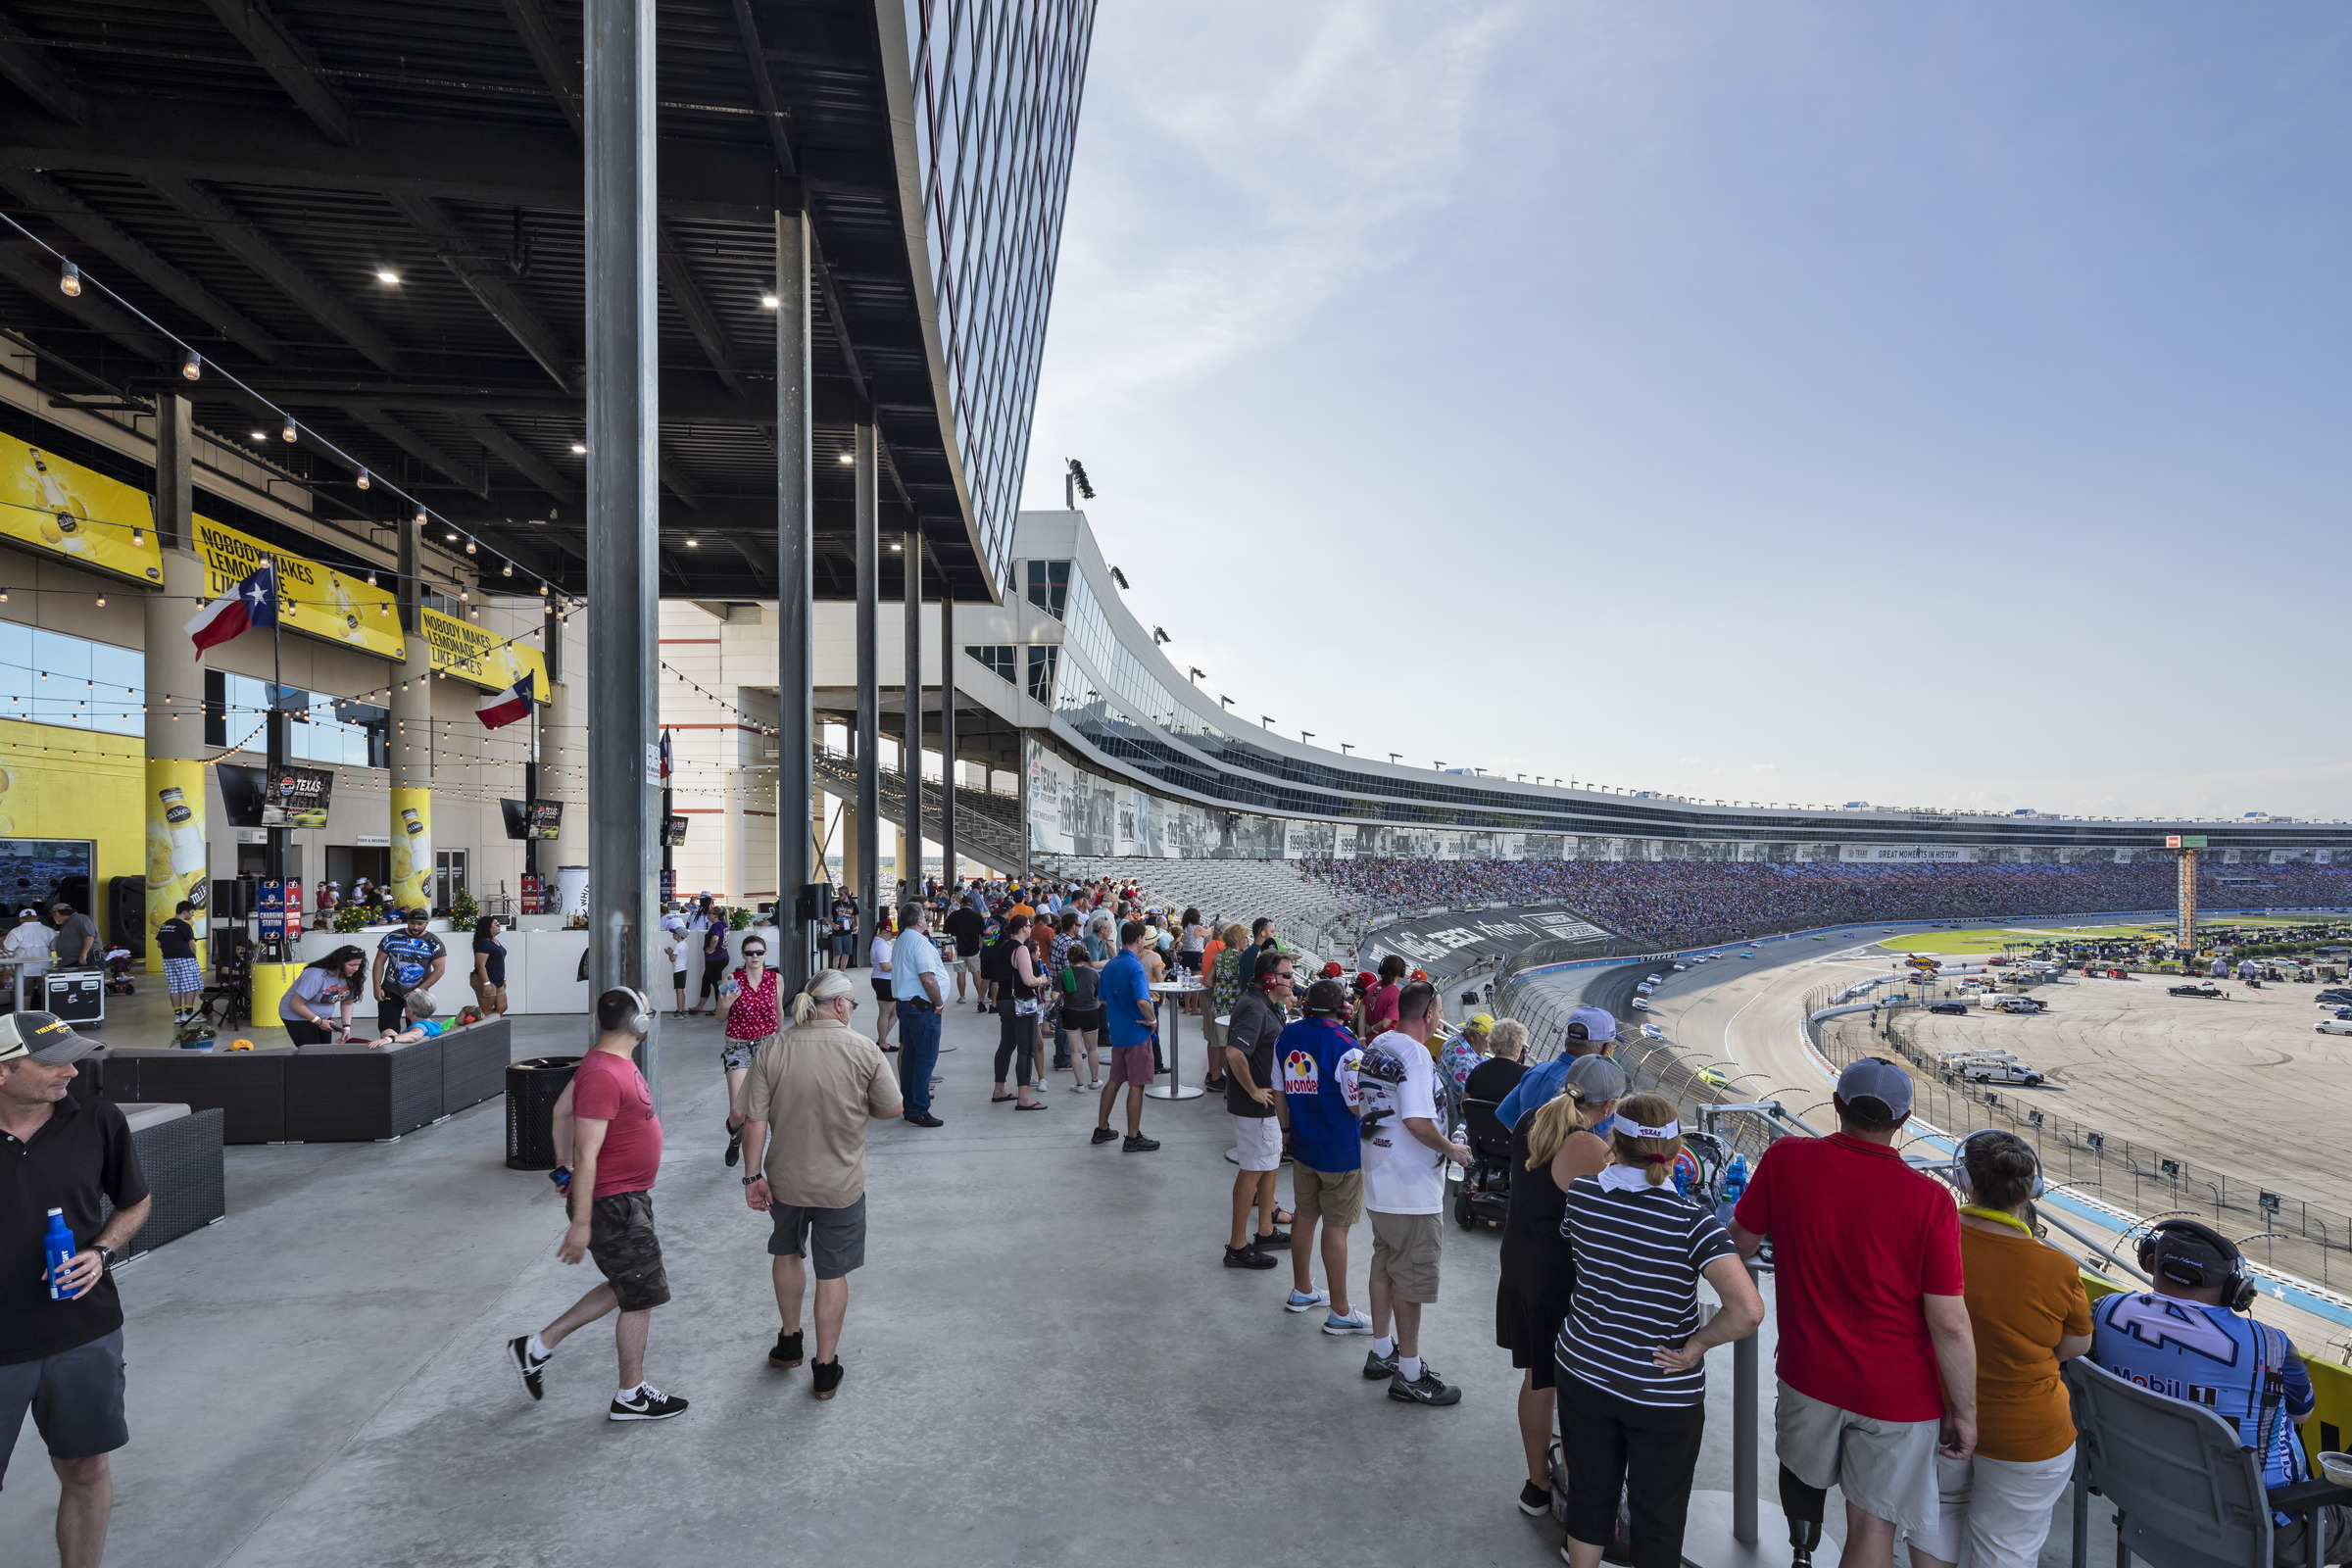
(1764, 768)
(1686, 761)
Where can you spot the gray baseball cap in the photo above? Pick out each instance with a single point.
(1597, 1079)
(1875, 1079)
(42, 1036)
(1598, 1023)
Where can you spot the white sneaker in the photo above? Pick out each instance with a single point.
(1307, 1304)
(1096, 1085)
(1356, 1322)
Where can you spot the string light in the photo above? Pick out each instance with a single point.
(69, 280)
(363, 485)
(288, 433)
(192, 366)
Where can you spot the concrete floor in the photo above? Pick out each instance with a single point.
(1046, 1364)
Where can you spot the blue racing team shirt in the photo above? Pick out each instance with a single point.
(1318, 1059)
(408, 960)
(2207, 1355)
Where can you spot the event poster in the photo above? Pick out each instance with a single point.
(315, 600)
(481, 657)
(67, 511)
(176, 848)
(412, 847)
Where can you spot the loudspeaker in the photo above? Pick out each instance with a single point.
(811, 903)
(126, 912)
(232, 898)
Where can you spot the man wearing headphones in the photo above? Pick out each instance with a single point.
(616, 1151)
(2186, 1340)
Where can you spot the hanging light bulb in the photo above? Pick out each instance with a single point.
(371, 579)
(192, 366)
(469, 545)
(101, 601)
(138, 536)
(421, 517)
(362, 479)
(69, 280)
(543, 590)
(288, 433)
(508, 571)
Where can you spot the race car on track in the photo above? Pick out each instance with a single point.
(1641, 1004)
(2194, 990)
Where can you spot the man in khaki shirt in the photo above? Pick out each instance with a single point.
(816, 1084)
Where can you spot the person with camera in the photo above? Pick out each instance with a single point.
(2189, 1339)
(1405, 1152)
(2027, 1308)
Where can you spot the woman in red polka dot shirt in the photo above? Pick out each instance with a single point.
(748, 1006)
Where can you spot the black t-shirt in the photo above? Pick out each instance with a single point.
(1252, 958)
(175, 939)
(1256, 1024)
(82, 1151)
(967, 927)
(1494, 1078)
(497, 967)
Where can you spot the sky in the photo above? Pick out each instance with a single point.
(1935, 405)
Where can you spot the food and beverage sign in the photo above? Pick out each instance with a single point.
(317, 600)
(478, 657)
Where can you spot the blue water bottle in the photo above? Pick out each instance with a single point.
(57, 1246)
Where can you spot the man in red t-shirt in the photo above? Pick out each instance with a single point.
(615, 1151)
(1877, 1366)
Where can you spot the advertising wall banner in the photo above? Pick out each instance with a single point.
(315, 599)
(480, 658)
(1910, 853)
(64, 509)
(412, 847)
(290, 797)
(176, 851)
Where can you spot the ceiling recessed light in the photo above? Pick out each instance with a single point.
(260, 435)
(385, 275)
(849, 456)
(768, 302)
(579, 449)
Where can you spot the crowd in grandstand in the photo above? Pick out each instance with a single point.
(1692, 902)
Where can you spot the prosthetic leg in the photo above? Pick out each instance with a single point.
(1803, 1506)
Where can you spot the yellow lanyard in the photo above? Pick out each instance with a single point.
(1998, 1218)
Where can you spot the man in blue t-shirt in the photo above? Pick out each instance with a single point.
(2181, 1341)
(1591, 1031)
(410, 959)
(1133, 1025)
(1317, 1059)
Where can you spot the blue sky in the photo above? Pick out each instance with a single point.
(1929, 405)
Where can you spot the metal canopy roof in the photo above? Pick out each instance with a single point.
(242, 171)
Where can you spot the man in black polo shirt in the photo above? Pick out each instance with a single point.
(967, 927)
(63, 1359)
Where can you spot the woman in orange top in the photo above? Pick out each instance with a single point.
(2027, 1306)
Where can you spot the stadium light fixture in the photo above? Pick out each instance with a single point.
(1305, 735)
(1266, 720)
(1074, 486)
(1345, 747)
(1162, 637)
(1227, 701)
(1120, 577)
(1395, 756)
(1195, 674)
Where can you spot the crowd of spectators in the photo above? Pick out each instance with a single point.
(1690, 902)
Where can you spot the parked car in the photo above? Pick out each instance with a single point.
(2194, 990)
(2020, 1004)
(2000, 1072)
(2334, 996)
(1956, 1008)
(2335, 1026)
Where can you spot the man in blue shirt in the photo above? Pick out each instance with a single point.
(1133, 1025)
(410, 959)
(2182, 1340)
(1591, 1031)
(1317, 1060)
(916, 979)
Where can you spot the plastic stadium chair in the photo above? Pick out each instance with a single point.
(2186, 1493)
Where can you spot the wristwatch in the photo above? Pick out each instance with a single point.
(106, 1256)
(748, 1180)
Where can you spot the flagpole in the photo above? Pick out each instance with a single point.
(276, 747)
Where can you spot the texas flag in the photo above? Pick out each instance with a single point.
(508, 706)
(232, 614)
(665, 758)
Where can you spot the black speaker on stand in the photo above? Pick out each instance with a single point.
(126, 913)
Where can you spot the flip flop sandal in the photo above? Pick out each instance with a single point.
(1034, 1104)
(999, 1099)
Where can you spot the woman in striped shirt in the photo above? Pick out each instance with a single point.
(1632, 1381)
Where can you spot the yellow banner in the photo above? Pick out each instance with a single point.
(412, 847)
(317, 601)
(175, 847)
(64, 509)
(487, 661)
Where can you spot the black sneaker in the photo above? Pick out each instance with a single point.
(1246, 1257)
(1377, 1365)
(827, 1376)
(787, 1354)
(1428, 1390)
(734, 1145)
(1138, 1144)
(923, 1118)
(646, 1404)
(1535, 1501)
(519, 1350)
(1102, 1134)
(1272, 1241)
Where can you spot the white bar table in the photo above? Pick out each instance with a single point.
(1176, 1088)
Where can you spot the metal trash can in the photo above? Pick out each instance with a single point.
(532, 1089)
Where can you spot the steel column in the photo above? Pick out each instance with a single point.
(947, 731)
(174, 473)
(867, 874)
(796, 591)
(625, 502)
(911, 748)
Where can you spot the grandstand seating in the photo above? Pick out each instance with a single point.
(1316, 917)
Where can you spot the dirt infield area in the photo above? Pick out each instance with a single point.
(2242, 1083)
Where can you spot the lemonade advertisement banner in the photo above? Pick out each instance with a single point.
(64, 509)
(315, 599)
(412, 847)
(175, 852)
(473, 655)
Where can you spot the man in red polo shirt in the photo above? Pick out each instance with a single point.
(1877, 1366)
